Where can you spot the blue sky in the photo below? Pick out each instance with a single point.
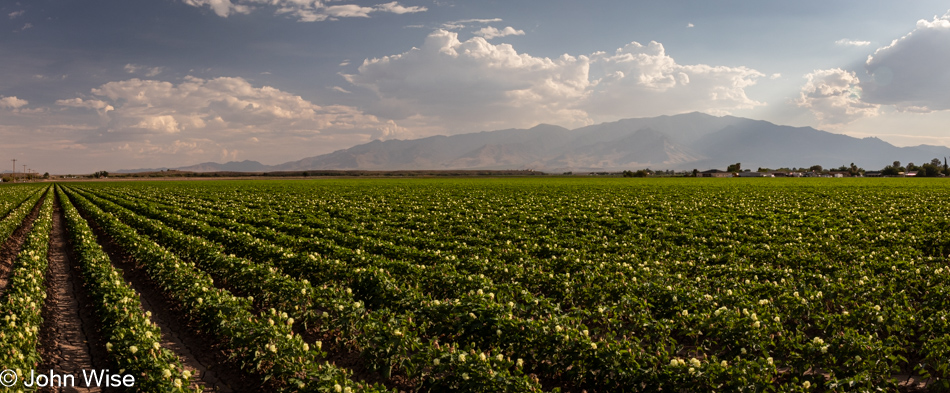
(110, 84)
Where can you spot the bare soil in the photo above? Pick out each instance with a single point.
(69, 340)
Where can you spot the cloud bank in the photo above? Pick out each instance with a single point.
(476, 85)
(201, 117)
(910, 75)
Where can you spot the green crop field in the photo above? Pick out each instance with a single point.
(492, 285)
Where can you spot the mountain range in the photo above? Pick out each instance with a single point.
(680, 142)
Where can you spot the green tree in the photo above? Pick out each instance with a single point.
(890, 170)
(737, 167)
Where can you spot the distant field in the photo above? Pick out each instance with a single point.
(530, 284)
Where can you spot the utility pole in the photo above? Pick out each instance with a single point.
(14, 170)
(24, 168)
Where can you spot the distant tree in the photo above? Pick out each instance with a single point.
(737, 167)
(46, 175)
(639, 173)
(911, 167)
(890, 170)
(930, 170)
(816, 168)
(935, 162)
(853, 170)
(100, 174)
(695, 172)
(897, 164)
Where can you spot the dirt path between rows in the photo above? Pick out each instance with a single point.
(69, 340)
(198, 351)
(11, 247)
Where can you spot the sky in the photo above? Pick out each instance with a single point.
(121, 84)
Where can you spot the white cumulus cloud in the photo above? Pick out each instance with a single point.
(490, 32)
(642, 80)
(12, 102)
(476, 85)
(912, 72)
(834, 97)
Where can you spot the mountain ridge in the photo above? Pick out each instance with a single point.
(680, 142)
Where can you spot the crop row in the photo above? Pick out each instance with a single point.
(22, 304)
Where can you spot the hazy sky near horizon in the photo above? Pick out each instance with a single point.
(113, 84)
